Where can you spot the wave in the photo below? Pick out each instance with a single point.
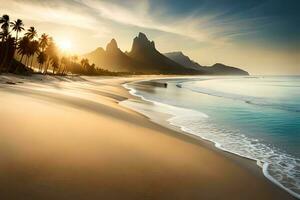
(280, 168)
(258, 101)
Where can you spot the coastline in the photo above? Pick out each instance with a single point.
(194, 169)
(167, 121)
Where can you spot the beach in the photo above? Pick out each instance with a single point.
(69, 138)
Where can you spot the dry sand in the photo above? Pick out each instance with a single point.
(66, 138)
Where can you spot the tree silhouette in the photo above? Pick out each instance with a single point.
(51, 52)
(41, 58)
(31, 33)
(44, 50)
(55, 63)
(84, 62)
(44, 41)
(33, 49)
(9, 52)
(23, 47)
(3, 34)
(17, 26)
(66, 62)
(4, 21)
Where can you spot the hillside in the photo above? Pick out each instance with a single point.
(216, 69)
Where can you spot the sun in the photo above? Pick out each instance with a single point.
(64, 44)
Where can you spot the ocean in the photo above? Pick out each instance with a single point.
(257, 117)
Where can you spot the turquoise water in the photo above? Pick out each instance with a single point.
(254, 117)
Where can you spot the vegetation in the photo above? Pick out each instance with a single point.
(33, 54)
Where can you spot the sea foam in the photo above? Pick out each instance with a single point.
(279, 167)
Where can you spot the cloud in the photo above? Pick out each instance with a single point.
(214, 27)
(138, 13)
(42, 12)
(209, 31)
(95, 15)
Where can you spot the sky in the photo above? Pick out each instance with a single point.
(260, 36)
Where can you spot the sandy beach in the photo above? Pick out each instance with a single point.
(68, 138)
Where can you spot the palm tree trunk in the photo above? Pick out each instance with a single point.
(5, 49)
(59, 68)
(21, 58)
(15, 51)
(41, 67)
(2, 51)
(16, 39)
(4, 61)
(11, 62)
(47, 66)
(63, 71)
(32, 62)
(26, 61)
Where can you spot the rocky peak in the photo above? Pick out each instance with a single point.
(141, 42)
(142, 36)
(112, 45)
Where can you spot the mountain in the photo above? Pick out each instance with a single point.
(144, 58)
(112, 58)
(182, 59)
(216, 69)
(144, 51)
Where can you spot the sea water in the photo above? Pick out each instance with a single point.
(254, 117)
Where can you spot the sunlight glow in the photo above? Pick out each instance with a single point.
(64, 44)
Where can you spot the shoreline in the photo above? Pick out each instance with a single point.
(166, 121)
(99, 154)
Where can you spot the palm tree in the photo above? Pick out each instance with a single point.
(44, 41)
(66, 62)
(33, 49)
(4, 34)
(33, 45)
(31, 33)
(17, 26)
(82, 62)
(62, 62)
(23, 47)
(9, 53)
(4, 21)
(55, 63)
(42, 58)
(51, 51)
